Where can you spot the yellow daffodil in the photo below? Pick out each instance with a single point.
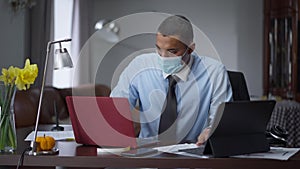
(26, 76)
(9, 75)
(22, 78)
(13, 78)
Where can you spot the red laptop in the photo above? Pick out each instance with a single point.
(103, 121)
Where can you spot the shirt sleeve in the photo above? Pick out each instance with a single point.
(222, 92)
(124, 87)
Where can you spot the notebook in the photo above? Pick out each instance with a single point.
(239, 128)
(104, 122)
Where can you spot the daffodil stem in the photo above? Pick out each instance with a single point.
(7, 126)
(2, 134)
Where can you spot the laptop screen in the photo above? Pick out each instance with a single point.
(102, 121)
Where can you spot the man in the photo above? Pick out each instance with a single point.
(200, 84)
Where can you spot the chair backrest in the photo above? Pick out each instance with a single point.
(238, 85)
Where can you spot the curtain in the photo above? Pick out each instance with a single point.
(81, 25)
(39, 31)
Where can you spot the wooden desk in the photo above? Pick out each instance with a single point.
(74, 155)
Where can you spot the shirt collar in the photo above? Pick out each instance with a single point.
(184, 72)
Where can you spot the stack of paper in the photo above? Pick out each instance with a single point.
(275, 153)
(57, 135)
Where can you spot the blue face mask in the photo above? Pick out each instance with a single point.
(171, 65)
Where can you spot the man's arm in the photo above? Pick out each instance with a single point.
(203, 137)
(124, 88)
(222, 93)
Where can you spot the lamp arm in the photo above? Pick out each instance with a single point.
(33, 142)
(58, 41)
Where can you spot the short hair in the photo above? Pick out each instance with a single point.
(177, 25)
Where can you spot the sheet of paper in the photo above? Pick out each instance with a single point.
(111, 150)
(276, 153)
(57, 135)
(175, 149)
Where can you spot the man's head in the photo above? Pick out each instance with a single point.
(174, 43)
(177, 26)
(175, 37)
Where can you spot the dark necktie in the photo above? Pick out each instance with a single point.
(169, 114)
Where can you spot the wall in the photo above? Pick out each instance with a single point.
(11, 36)
(235, 27)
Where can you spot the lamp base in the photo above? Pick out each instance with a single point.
(57, 128)
(54, 151)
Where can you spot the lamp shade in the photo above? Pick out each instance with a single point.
(107, 30)
(62, 59)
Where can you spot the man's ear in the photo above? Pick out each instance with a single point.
(191, 47)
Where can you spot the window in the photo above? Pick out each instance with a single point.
(62, 29)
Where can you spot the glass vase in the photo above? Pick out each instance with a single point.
(8, 137)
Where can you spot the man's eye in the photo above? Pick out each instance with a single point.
(173, 51)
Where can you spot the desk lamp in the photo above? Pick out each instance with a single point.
(62, 59)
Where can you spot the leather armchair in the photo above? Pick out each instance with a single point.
(26, 103)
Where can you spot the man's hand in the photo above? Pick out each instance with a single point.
(203, 136)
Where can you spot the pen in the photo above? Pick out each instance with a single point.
(69, 139)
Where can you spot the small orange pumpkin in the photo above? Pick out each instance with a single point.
(45, 143)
